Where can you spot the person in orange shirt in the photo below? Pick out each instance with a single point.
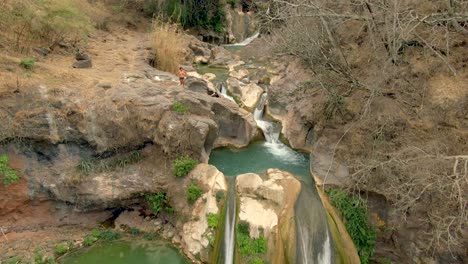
(182, 74)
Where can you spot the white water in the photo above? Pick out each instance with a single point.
(324, 257)
(313, 240)
(246, 41)
(223, 91)
(230, 222)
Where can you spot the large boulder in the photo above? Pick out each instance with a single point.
(249, 93)
(196, 232)
(268, 206)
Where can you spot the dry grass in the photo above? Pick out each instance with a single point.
(29, 23)
(168, 46)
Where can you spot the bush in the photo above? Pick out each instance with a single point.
(213, 220)
(232, 3)
(158, 202)
(62, 248)
(9, 174)
(193, 192)
(134, 231)
(48, 22)
(249, 246)
(86, 166)
(168, 47)
(180, 107)
(219, 196)
(28, 63)
(149, 236)
(95, 235)
(183, 165)
(354, 211)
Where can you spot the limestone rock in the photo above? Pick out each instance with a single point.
(249, 94)
(268, 205)
(194, 236)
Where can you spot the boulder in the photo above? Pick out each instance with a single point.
(249, 94)
(195, 233)
(268, 206)
(82, 64)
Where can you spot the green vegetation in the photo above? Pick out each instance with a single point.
(13, 260)
(249, 246)
(208, 14)
(159, 201)
(134, 231)
(180, 108)
(86, 166)
(104, 234)
(257, 261)
(9, 174)
(183, 165)
(232, 3)
(353, 208)
(194, 192)
(62, 248)
(149, 236)
(213, 220)
(219, 196)
(40, 258)
(237, 100)
(28, 63)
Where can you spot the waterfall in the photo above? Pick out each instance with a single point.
(230, 222)
(313, 240)
(271, 130)
(312, 236)
(223, 91)
(246, 41)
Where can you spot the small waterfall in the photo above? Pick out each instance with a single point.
(271, 130)
(223, 91)
(230, 223)
(246, 41)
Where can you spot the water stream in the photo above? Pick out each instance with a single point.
(313, 240)
(230, 223)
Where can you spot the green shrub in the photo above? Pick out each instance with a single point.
(159, 201)
(219, 196)
(134, 231)
(256, 261)
(354, 210)
(183, 165)
(213, 220)
(149, 236)
(237, 99)
(27, 63)
(109, 235)
(61, 248)
(89, 240)
(86, 166)
(13, 260)
(40, 258)
(193, 192)
(249, 246)
(9, 174)
(180, 107)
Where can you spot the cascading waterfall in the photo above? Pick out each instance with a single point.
(230, 222)
(270, 130)
(245, 42)
(313, 240)
(223, 91)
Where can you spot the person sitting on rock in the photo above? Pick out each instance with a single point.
(182, 74)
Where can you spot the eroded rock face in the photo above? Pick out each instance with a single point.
(268, 205)
(195, 234)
